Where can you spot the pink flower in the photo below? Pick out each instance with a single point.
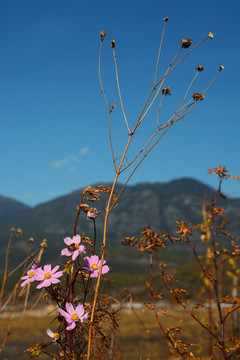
(93, 265)
(73, 249)
(48, 276)
(54, 336)
(31, 275)
(92, 213)
(72, 316)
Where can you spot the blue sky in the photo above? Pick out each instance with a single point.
(54, 133)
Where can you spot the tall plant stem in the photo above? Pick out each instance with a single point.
(119, 92)
(108, 107)
(108, 209)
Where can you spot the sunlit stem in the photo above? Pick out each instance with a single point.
(159, 108)
(159, 52)
(108, 107)
(119, 92)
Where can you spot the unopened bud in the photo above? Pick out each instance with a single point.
(13, 229)
(210, 35)
(198, 96)
(186, 43)
(199, 67)
(44, 244)
(103, 34)
(113, 43)
(166, 91)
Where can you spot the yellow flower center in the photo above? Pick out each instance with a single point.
(76, 246)
(47, 275)
(74, 316)
(30, 275)
(55, 336)
(94, 266)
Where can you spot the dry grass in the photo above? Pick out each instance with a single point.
(140, 337)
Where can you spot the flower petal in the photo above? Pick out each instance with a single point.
(66, 252)
(77, 239)
(70, 308)
(68, 241)
(75, 254)
(79, 310)
(105, 269)
(94, 259)
(84, 317)
(47, 268)
(71, 326)
(50, 333)
(65, 315)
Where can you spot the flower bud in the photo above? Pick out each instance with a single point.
(210, 35)
(103, 34)
(186, 43)
(199, 67)
(198, 96)
(113, 43)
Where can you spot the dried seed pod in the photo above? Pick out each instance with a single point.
(103, 34)
(186, 43)
(113, 43)
(165, 19)
(210, 35)
(44, 244)
(199, 67)
(221, 68)
(166, 91)
(198, 96)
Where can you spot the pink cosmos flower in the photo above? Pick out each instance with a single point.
(48, 276)
(31, 275)
(93, 265)
(73, 249)
(72, 316)
(92, 214)
(54, 336)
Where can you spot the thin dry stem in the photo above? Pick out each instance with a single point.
(108, 107)
(119, 92)
(159, 53)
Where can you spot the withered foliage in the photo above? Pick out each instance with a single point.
(220, 310)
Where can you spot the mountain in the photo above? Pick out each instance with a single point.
(159, 205)
(9, 208)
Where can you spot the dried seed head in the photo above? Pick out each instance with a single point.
(198, 96)
(19, 231)
(186, 43)
(210, 35)
(44, 244)
(199, 67)
(221, 68)
(31, 239)
(13, 229)
(165, 19)
(166, 91)
(103, 34)
(113, 43)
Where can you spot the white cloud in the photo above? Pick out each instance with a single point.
(84, 151)
(71, 160)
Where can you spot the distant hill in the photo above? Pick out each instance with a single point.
(159, 205)
(10, 208)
